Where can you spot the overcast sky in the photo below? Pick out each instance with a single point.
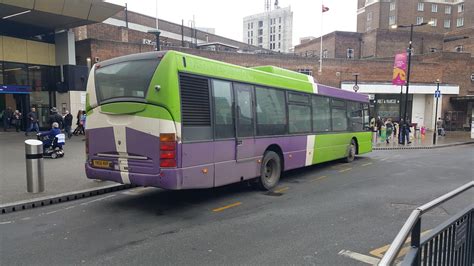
(226, 16)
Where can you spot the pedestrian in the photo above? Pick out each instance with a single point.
(32, 118)
(372, 124)
(78, 123)
(68, 124)
(83, 121)
(407, 132)
(379, 124)
(7, 118)
(440, 125)
(55, 117)
(16, 120)
(395, 129)
(389, 130)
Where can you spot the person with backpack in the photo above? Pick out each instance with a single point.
(389, 130)
(55, 117)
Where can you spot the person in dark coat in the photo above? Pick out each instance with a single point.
(7, 118)
(68, 124)
(32, 118)
(16, 120)
(55, 117)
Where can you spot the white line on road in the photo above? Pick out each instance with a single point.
(99, 199)
(359, 257)
(7, 222)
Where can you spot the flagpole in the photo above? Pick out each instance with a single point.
(321, 38)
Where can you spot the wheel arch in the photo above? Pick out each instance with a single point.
(354, 138)
(277, 149)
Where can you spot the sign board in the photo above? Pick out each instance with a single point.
(400, 69)
(15, 89)
(461, 234)
(437, 93)
(355, 88)
(83, 98)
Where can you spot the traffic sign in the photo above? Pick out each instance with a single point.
(437, 93)
(355, 88)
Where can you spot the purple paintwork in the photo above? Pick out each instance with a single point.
(339, 93)
(200, 165)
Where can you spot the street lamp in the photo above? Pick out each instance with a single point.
(411, 26)
(356, 87)
(157, 33)
(437, 95)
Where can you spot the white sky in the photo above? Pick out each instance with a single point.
(227, 16)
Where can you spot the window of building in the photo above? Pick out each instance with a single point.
(338, 115)
(248, 34)
(369, 16)
(460, 8)
(434, 22)
(447, 23)
(260, 31)
(279, 28)
(391, 20)
(251, 25)
(460, 22)
(392, 6)
(356, 116)
(279, 20)
(421, 7)
(271, 111)
(434, 8)
(260, 40)
(223, 118)
(279, 37)
(305, 71)
(279, 45)
(248, 26)
(251, 33)
(271, 30)
(447, 10)
(15, 74)
(321, 114)
(350, 53)
(325, 53)
(251, 41)
(260, 23)
(419, 20)
(459, 49)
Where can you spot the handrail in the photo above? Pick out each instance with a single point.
(399, 240)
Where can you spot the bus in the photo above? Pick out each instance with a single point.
(176, 121)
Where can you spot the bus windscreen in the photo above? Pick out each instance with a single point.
(124, 81)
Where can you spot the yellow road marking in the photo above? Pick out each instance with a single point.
(359, 257)
(281, 189)
(365, 164)
(345, 170)
(227, 207)
(379, 252)
(317, 178)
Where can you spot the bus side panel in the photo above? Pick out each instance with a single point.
(364, 139)
(330, 147)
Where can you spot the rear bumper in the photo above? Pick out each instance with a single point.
(167, 179)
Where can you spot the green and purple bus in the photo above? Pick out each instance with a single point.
(178, 121)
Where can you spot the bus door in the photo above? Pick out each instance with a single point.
(245, 142)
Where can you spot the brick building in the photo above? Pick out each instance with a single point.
(447, 15)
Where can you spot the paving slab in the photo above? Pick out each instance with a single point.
(452, 138)
(60, 175)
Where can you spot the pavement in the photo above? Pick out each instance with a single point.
(329, 214)
(61, 176)
(426, 141)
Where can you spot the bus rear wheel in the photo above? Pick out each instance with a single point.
(351, 152)
(270, 171)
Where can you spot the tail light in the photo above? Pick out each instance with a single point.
(168, 150)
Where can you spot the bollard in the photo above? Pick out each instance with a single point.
(34, 166)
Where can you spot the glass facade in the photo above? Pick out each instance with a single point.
(26, 86)
(390, 105)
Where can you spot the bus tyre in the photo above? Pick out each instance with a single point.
(351, 152)
(270, 171)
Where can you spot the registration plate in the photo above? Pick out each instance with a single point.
(102, 164)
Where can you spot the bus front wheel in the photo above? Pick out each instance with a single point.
(351, 152)
(270, 171)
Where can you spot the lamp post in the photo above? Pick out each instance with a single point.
(437, 95)
(157, 35)
(409, 50)
(356, 87)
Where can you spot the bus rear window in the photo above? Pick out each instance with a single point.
(124, 81)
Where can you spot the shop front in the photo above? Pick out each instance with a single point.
(23, 86)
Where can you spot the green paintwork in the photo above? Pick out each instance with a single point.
(328, 147)
(282, 72)
(123, 108)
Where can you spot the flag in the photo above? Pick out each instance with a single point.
(399, 69)
(325, 9)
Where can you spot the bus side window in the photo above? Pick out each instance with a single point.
(223, 118)
(244, 112)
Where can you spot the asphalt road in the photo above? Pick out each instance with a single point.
(315, 214)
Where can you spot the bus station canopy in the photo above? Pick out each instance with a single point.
(28, 18)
